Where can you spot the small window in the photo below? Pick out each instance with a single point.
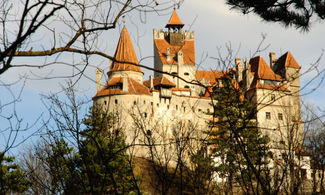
(157, 104)
(134, 102)
(199, 110)
(208, 110)
(151, 103)
(268, 115)
(176, 107)
(186, 86)
(116, 101)
(280, 116)
(145, 115)
(105, 102)
(184, 109)
(167, 106)
(174, 73)
(272, 97)
(186, 73)
(144, 101)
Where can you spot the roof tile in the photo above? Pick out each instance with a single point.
(286, 60)
(210, 76)
(161, 80)
(125, 53)
(134, 87)
(174, 21)
(262, 70)
(187, 49)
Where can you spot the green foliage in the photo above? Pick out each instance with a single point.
(201, 177)
(12, 178)
(238, 144)
(105, 164)
(296, 13)
(98, 165)
(63, 167)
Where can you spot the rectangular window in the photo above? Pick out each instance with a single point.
(280, 116)
(272, 97)
(268, 115)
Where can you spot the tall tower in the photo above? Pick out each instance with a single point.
(174, 52)
(126, 59)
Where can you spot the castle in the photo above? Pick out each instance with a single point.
(176, 96)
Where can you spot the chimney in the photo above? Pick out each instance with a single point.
(168, 54)
(239, 68)
(125, 84)
(272, 59)
(180, 59)
(98, 79)
(150, 82)
(248, 74)
(180, 63)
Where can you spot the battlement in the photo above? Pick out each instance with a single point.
(173, 36)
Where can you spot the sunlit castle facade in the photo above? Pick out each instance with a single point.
(167, 98)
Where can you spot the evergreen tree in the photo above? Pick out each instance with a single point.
(63, 163)
(239, 146)
(295, 13)
(12, 178)
(105, 165)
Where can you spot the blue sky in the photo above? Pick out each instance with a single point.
(214, 26)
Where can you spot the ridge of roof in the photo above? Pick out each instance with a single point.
(210, 76)
(125, 53)
(286, 60)
(160, 80)
(174, 21)
(262, 70)
(134, 87)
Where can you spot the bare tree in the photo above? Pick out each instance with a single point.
(40, 29)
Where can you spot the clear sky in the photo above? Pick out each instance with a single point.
(214, 26)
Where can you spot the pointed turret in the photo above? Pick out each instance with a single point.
(174, 22)
(126, 59)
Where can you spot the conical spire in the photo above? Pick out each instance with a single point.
(125, 53)
(174, 21)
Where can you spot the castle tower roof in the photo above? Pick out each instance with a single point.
(125, 53)
(174, 21)
(262, 70)
(286, 60)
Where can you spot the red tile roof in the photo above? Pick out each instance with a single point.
(286, 60)
(125, 53)
(174, 21)
(210, 76)
(262, 70)
(181, 89)
(187, 49)
(158, 81)
(134, 87)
